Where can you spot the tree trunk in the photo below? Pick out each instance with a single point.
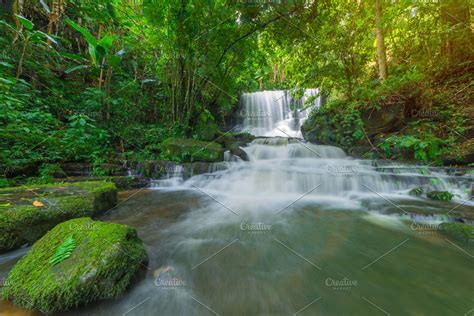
(457, 44)
(381, 54)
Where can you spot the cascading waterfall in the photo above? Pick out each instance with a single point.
(276, 113)
(273, 235)
(285, 168)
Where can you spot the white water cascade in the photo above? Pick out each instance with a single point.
(276, 113)
(284, 169)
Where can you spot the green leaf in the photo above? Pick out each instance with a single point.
(89, 37)
(64, 250)
(75, 68)
(5, 64)
(70, 56)
(93, 53)
(26, 23)
(49, 37)
(7, 25)
(106, 42)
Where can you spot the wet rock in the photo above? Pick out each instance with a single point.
(190, 150)
(86, 169)
(121, 182)
(440, 195)
(232, 140)
(459, 231)
(239, 152)
(416, 191)
(28, 213)
(103, 258)
(76, 169)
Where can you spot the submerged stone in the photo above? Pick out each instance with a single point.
(458, 230)
(27, 213)
(100, 264)
(440, 195)
(416, 191)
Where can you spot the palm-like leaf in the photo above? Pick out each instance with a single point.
(64, 250)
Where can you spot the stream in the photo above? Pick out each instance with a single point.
(299, 229)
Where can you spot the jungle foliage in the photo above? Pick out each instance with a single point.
(101, 80)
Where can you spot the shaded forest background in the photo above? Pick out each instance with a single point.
(109, 81)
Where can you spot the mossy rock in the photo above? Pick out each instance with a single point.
(22, 222)
(460, 231)
(121, 182)
(234, 139)
(100, 265)
(416, 191)
(190, 150)
(440, 195)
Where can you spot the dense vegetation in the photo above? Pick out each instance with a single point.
(111, 80)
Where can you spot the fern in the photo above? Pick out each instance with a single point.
(64, 250)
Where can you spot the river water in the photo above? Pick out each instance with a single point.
(299, 229)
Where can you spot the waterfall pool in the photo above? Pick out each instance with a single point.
(298, 229)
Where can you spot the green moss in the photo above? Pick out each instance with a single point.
(23, 223)
(416, 191)
(440, 195)
(459, 231)
(101, 266)
(190, 150)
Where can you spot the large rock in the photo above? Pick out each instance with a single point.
(459, 231)
(77, 169)
(331, 127)
(232, 140)
(121, 182)
(190, 150)
(239, 152)
(27, 213)
(103, 258)
(386, 119)
(159, 169)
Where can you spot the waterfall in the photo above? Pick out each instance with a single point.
(275, 113)
(282, 167)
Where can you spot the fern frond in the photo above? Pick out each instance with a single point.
(64, 250)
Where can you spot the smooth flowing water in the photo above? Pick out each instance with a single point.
(276, 113)
(299, 229)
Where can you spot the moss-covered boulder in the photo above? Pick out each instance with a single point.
(232, 140)
(460, 231)
(121, 182)
(27, 213)
(77, 262)
(417, 191)
(440, 195)
(190, 150)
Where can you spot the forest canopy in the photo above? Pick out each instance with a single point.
(100, 81)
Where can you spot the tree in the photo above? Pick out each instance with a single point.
(381, 53)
